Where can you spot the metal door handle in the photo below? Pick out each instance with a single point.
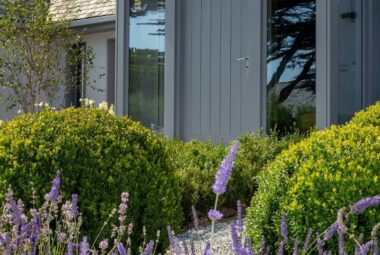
(246, 59)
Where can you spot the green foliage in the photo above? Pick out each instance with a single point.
(33, 46)
(99, 156)
(255, 152)
(313, 179)
(197, 162)
(369, 116)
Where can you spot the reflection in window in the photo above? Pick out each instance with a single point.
(291, 64)
(146, 62)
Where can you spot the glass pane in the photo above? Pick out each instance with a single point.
(291, 64)
(350, 95)
(146, 62)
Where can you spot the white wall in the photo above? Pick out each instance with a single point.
(95, 90)
(98, 42)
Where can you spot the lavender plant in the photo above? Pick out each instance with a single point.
(55, 228)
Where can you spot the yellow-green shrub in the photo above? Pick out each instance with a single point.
(369, 116)
(99, 156)
(313, 179)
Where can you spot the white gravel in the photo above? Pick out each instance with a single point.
(221, 243)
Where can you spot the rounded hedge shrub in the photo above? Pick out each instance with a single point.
(197, 162)
(312, 180)
(99, 156)
(369, 116)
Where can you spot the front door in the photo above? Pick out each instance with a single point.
(220, 68)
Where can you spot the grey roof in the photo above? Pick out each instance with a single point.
(82, 9)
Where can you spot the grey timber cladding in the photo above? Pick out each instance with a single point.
(219, 98)
(82, 9)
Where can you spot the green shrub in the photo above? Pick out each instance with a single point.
(197, 163)
(369, 116)
(99, 156)
(313, 179)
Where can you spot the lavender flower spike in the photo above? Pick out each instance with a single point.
(207, 250)
(330, 232)
(121, 249)
(284, 229)
(54, 191)
(148, 248)
(363, 204)
(84, 247)
(225, 169)
(215, 215)
(306, 244)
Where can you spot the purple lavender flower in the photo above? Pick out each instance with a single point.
(357, 246)
(174, 244)
(330, 232)
(225, 169)
(148, 248)
(320, 245)
(239, 220)
(375, 246)
(363, 204)
(341, 242)
(74, 205)
(195, 217)
(365, 248)
(121, 249)
(207, 250)
(70, 248)
(281, 248)
(236, 244)
(306, 244)
(284, 229)
(215, 215)
(84, 247)
(16, 213)
(54, 191)
(295, 249)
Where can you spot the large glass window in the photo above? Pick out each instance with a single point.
(146, 62)
(291, 29)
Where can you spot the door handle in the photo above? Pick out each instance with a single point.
(246, 59)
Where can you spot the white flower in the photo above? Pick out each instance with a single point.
(20, 111)
(112, 110)
(91, 103)
(103, 105)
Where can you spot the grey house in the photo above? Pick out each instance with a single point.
(220, 68)
(233, 66)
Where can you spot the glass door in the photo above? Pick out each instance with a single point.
(291, 55)
(146, 62)
(349, 39)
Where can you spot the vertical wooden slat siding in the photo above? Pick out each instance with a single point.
(186, 74)
(219, 97)
(245, 76)
(205, 67)
(215, 66)
(225, 95)
(237, 68)
(196, 66)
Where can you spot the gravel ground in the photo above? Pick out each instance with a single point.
(222, 239)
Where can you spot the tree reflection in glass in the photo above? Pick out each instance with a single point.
(146, 62)
(291, 64)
